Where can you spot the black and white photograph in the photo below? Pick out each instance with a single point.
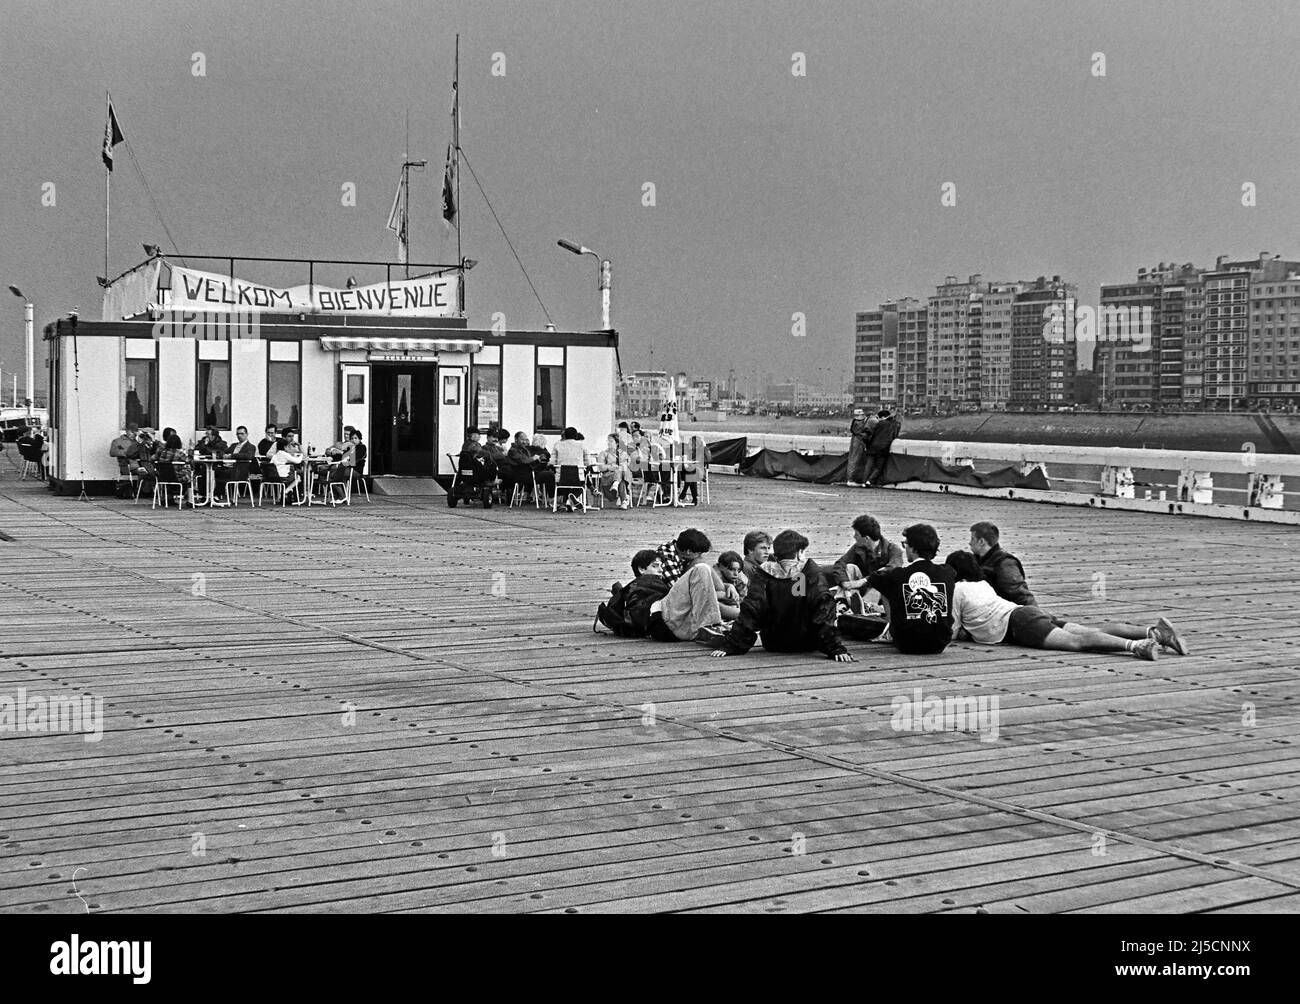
(673, 457)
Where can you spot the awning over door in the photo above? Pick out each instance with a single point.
(331, 344)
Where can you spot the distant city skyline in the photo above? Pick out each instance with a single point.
(780, 202)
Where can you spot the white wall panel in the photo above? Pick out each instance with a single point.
(589, 392)
(518, 388)
(248, 385)
(176, 386)
(320, 425)
(91, 428)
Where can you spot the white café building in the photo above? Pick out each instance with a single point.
(185, 348)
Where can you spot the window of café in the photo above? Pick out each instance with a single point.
(549, 409)
(140, 404)
(284, 386)
(212, 402)
(485, 397)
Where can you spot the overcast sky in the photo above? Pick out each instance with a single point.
(775, 194)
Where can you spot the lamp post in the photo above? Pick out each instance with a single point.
(605, 278)
(28, 318)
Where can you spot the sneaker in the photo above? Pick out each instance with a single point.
(1147, 648)
(1163, 632)
(854, 484)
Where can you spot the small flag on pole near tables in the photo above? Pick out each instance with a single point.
(112, 136)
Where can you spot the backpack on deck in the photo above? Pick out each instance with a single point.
(613, 612)
(627, 611)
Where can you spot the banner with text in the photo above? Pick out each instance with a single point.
(430, 296)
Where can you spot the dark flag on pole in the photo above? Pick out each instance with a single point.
(449, 187)
(112, 136)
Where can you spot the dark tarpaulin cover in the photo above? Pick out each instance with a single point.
(728, 452)
(825, 470)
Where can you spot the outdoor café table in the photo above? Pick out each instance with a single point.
(209, 465)
(674, 469)
(314, 469)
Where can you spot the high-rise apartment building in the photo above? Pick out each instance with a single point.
(1273, 363)
(889, 354)
(953, 344)
(995, 348)
(1043, 352)
(1216, 337)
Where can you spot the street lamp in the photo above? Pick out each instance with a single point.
(605, 277)
(28, 317)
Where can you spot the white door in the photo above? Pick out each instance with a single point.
(355, 407)
(452, 409)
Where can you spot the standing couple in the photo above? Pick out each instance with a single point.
(870, 437)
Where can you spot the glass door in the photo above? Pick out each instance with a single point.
(403, 409)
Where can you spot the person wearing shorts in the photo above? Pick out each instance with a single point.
(979, 614)
(1030, 626)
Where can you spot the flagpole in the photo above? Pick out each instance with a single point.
(406, 198)
(108, 177)
(460, 257)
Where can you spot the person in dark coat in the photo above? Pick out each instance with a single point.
(882, 438)
(789, 605)
(1002, 569)
(859, 434)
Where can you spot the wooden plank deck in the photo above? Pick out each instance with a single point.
(401, 707)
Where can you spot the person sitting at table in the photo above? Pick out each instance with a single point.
(269, 440)
(693, 465)
(212, 445)
(243, 452)
(343, 445)
(173, 452)
(125, 449)
(569, 452)
(282, 464)
(615, 476)
(294, 454)
(497, 444)
(515, 467)
(665, 455)
(160, 444)
(542, 472)
(473, 442)
(342, 472)
(359, 452)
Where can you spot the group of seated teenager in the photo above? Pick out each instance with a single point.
(629, 456)
(277, 458)
(878, 591)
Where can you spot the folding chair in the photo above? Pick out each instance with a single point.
(517, 495)
(234, 485)
(271, 480)
(358, 475)
(593, 486)
(665, 489)
(167, 479)
(571, 481)
(138, 478)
